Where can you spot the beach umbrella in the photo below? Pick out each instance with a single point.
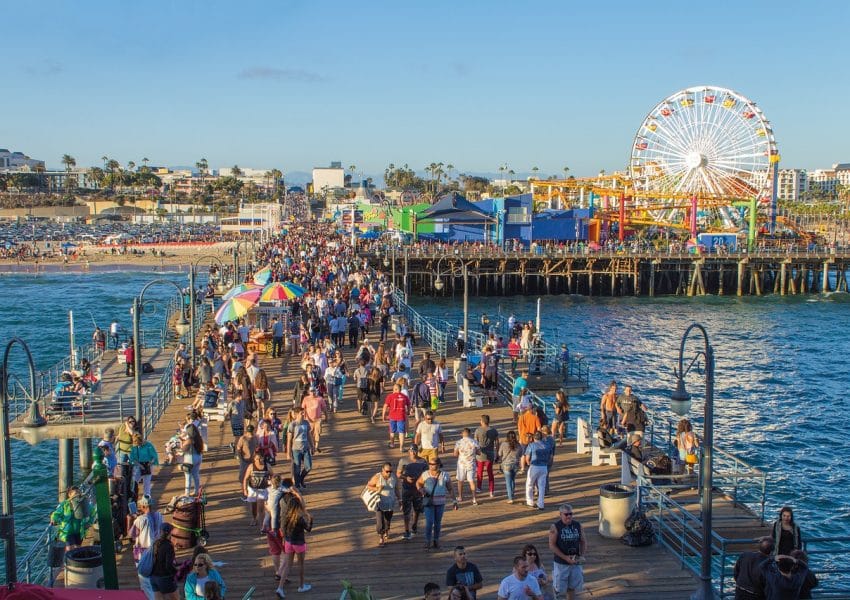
(235, 308)
(263, 276)
(282, 290)
(239, 289)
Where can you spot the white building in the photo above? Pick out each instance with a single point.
(254, 218)
(17, 160)
(792, 184)
(328, 178)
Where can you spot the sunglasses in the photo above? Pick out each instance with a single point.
(567, 514)
(200, 564)
(432, 464)
(387, 472)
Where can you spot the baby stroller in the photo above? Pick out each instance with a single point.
(189, 520)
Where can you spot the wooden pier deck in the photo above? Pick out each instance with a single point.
(343, 543)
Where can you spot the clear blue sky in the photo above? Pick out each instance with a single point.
(297, 84)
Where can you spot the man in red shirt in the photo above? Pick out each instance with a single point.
(315, 411)
(396, 406)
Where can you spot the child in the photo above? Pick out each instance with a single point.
(172, 448)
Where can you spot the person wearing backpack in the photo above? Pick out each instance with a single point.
(145, 530)
(158, 564)
(73, 517)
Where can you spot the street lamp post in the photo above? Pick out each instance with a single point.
(680, 404)
(438, 285)
(137, 310)
(33, 420)
(192, 297)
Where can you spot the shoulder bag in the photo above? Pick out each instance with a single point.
(370, 498)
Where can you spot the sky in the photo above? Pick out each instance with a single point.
(293, 85)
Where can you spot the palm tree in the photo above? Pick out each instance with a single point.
(202, 166)
(566, 170)
(502, 168)
(145, 161)
(277, 175)
(235, 171)
(69, 162)
(112, 165)
(449, 168)
(534, 170)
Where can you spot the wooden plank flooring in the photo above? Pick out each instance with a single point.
(343, 544)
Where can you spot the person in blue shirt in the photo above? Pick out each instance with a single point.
(536, 458)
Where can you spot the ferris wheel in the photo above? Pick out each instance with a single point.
(703, 142)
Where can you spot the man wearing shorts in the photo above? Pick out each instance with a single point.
(429, 437)
(490, 373)
(409, 470)
(465, 450)
(396, 406)
(568, 544)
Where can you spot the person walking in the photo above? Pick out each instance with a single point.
(396, 407)
(255, 485)
(510, 454)
(466, 451)
(536, 458)
(164, 569)
(429, 437)
(386, 484)
(144, 458)
(408, 471)
(193, 452)
(487, 438)
(435, 486)
(145, 530)
(295, 523)
(299, 448)
(569, 546)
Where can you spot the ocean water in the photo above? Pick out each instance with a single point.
(781, 378)
(780, 392)
(35, 308)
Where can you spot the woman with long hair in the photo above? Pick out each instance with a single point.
(295, 523)
(375, 389)
(262, 393)
(162, 575)
(687, 444)
(442, 374)
(510, 452)
(143, 457)
(193, 452)
(786, 533)
(536, 570)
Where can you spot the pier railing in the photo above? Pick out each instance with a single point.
(433, 335)
(680, 531)
(34, 566)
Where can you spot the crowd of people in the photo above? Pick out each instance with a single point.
(338, 335)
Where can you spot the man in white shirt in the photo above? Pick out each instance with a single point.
(244, 332)
(465, 450)
(429, 437)
(518, 585)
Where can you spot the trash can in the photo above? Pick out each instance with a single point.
(615, 505)
(84, 568)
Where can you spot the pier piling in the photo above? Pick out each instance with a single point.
(66, 466)
(85, 454)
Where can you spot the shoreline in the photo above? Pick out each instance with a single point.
(98, 259)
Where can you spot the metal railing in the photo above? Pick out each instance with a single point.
(680, 531)
(433, 335)
(34, 566)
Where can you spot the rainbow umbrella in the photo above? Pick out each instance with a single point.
(239, 289)
(263, 276)
(235, 308)
(282, 290)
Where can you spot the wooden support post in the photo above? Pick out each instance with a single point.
(700, 286)
(792, 282)
(757, 275)
(825, 285)
(783, 278)
(652, 279)
(636, 280)
(720, 275)
(66, 466)
(804, 279)
(85, 454)
(741, 265)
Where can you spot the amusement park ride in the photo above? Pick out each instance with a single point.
(703, 160)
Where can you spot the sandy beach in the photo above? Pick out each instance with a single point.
(100, 258)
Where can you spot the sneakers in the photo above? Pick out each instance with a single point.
(407, 536)
(280, 593)
(474, 502)
(305, 588)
